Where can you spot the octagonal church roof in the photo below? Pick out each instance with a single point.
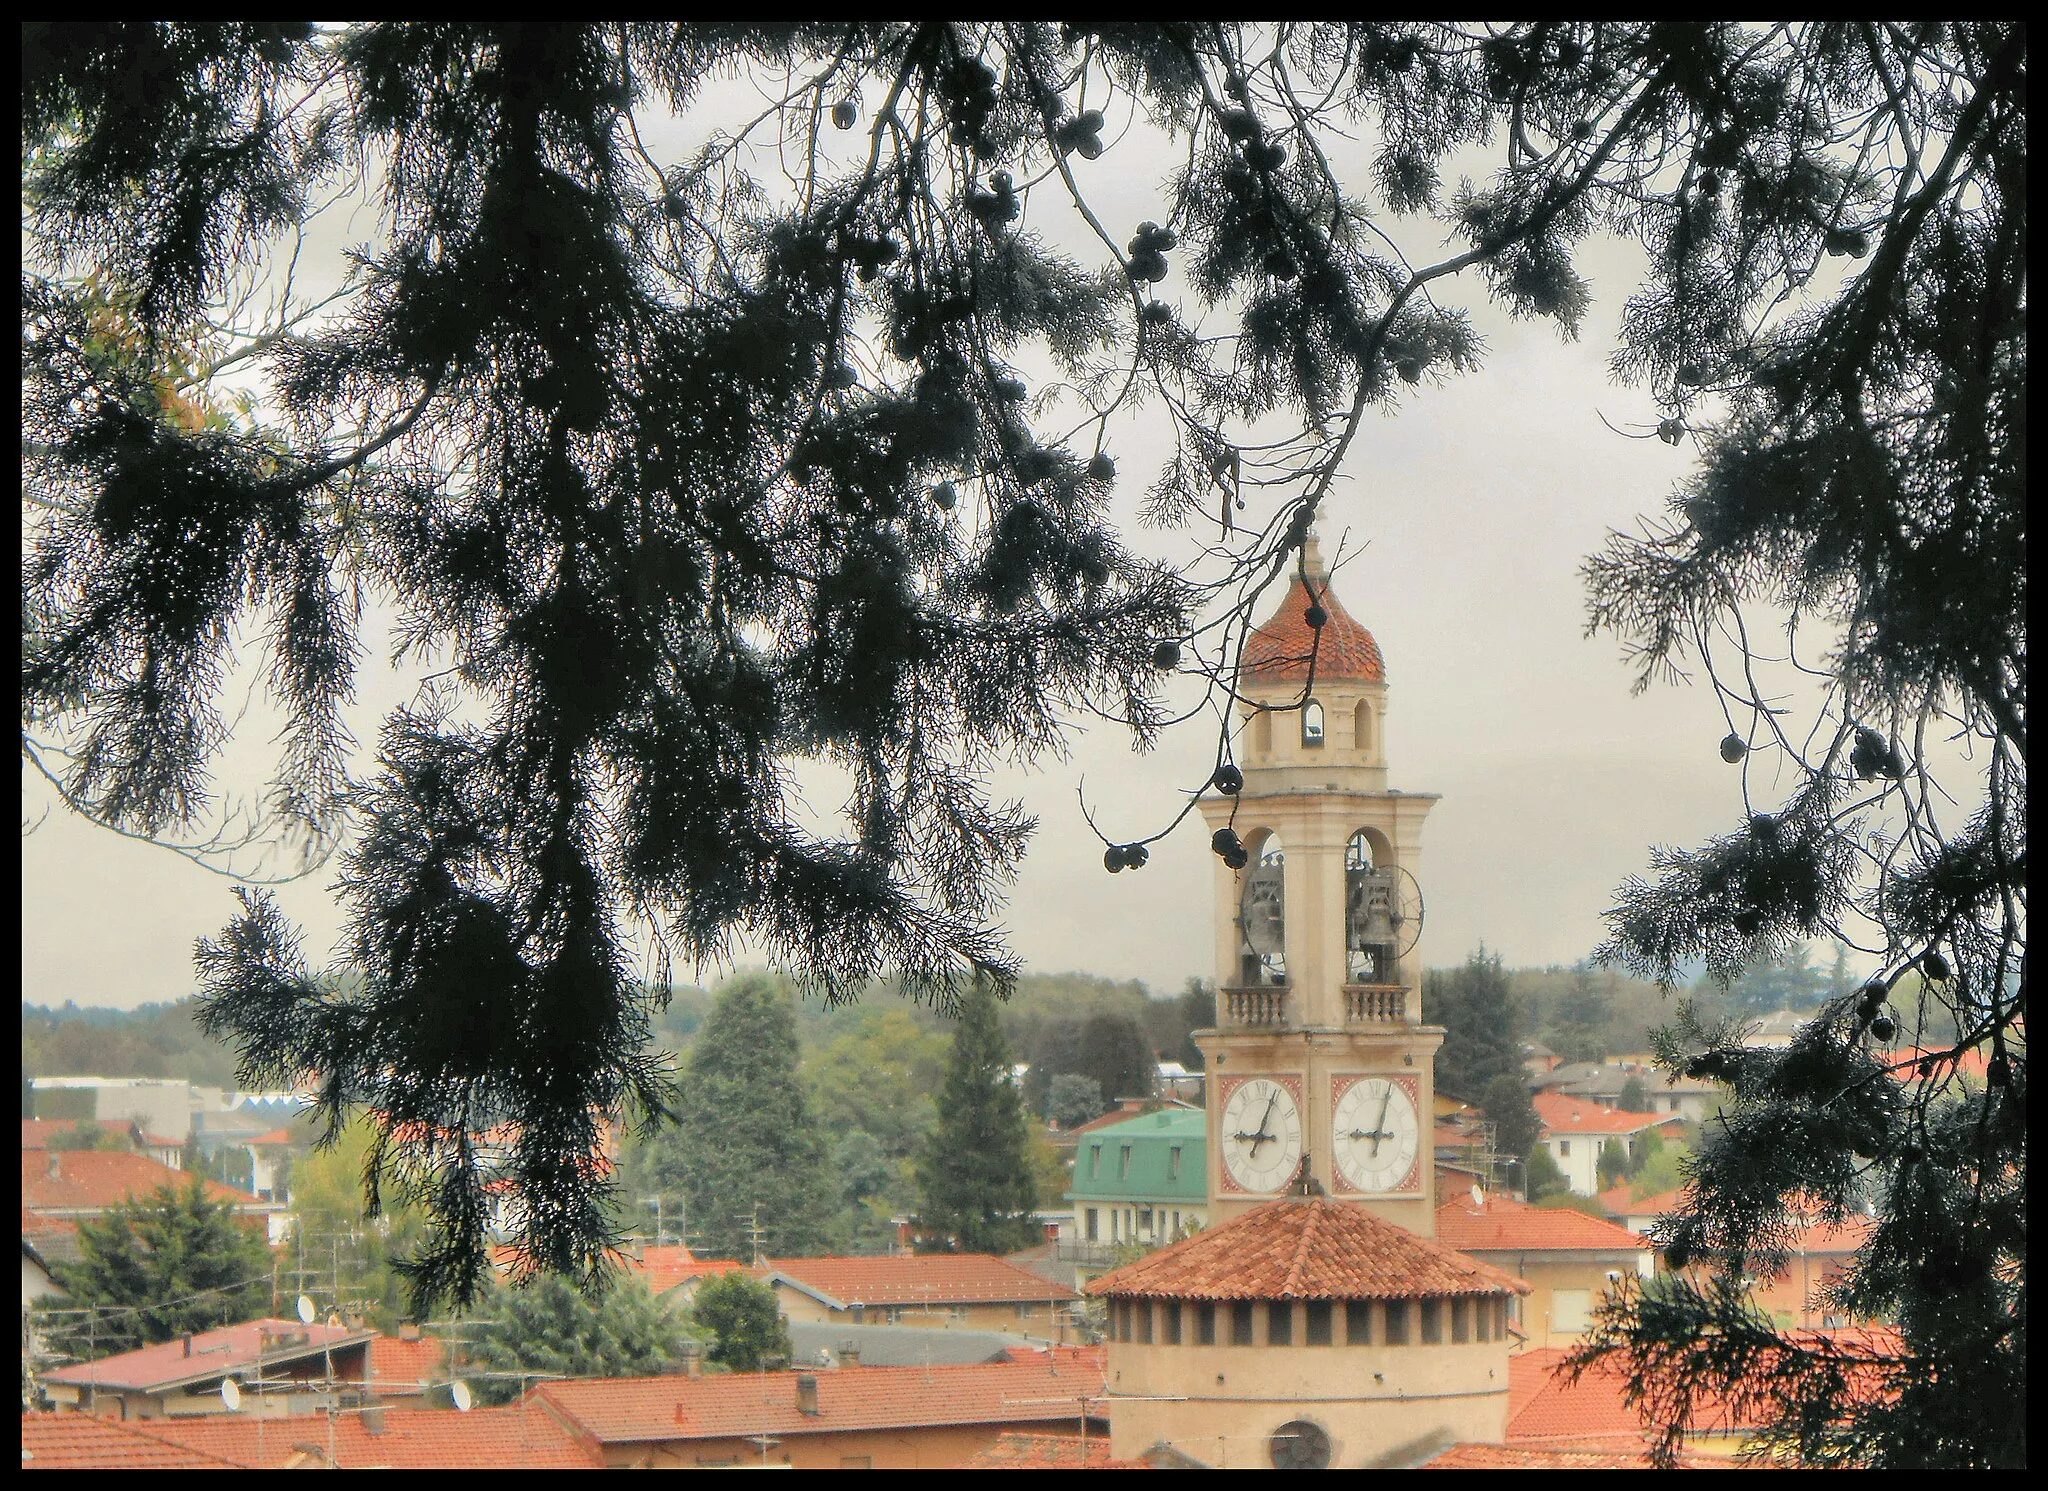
(1279, 651)
(1311, 1248)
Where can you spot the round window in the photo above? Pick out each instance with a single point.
(1301, 1445)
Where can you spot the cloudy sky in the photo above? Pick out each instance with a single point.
(1472, 508)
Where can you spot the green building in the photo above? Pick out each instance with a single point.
(1143, 1180)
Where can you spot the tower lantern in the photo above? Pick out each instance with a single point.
(1320, 1058)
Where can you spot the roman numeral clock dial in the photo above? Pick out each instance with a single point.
(1375, 1135)
(1260, 1133)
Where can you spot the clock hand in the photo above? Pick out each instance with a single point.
(1380, 1123)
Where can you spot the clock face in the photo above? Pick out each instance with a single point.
(1374, 1134)
(1260, 1132)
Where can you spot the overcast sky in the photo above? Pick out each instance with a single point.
(1474, 506)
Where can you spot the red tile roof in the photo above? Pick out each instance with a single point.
(84, 1441)
(1543, 1409)
(1502, 1223)
(665, 1265)
(639, 1410)
(1310, 1249)
(515, 1437)
(920, 1279)
(1568, 1115)
(1048, 1452)
(397, 1364)
(92, 1180)
(36, 1133)
(1279, 650)
(1622, 1201)
(214, 1353)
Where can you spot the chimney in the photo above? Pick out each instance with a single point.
(807, 1393)
(408, 1330)
(188, 1343)
(373, 1419)
(849, 1355)
(56, 1165)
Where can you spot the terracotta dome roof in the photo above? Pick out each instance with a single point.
(1307, 1249)
(1279, 651)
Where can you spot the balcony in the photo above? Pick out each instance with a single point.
(1260, 1008)
(1375, 1004)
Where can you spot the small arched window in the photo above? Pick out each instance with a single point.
(1311, 723)
(1364, 727)
(1262, 734)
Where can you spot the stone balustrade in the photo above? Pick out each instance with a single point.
(1375, 1004)
(1262, 1008)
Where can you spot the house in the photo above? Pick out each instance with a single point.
(964, 1290)
(672, 1272)
(1142, 1180)
(1048, 1452)
(37, 1133)
(163, 1105)
(1638, 1213)
(881, 1418)
(1569, 1258)
(281, 1367)
(62, 1186)
(1603, 1082)
(513, 1438)
(1547, 1412)
(1575, 1132)
(1177, 1082)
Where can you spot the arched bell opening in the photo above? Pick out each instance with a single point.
(1262, 734)
(1372, 904)
(1312, 725)
(1364, 725)
(1262, 914)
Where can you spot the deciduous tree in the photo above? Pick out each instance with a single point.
(549, 1327)
(745, 1322)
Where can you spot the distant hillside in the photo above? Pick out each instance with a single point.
(154, 1040)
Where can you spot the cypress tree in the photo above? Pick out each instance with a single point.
(975, 1174)
(744, 1138)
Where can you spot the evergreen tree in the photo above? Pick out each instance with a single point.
(1633, 1098)
(745, 1321)
(744, 1144)
(1505, 1102)
(1545, 1179)
(548, 1326)
(1113, 1050)
(1474, 1005)
(976, 1180)
(1579, 1020)
(159, 1266)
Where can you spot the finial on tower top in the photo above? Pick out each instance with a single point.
(1312, 558)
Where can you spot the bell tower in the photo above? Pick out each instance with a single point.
(1320, 1057)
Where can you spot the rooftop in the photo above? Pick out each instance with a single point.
(1051, 1388)
(1049, 1452)
(214, 1353)
(90, 1180)
(1279, 651)
(665, 1265)
(516, 1437)
(1501, 1223)
(1562, 1115)
(916, 1279)
(1308, 1249)
(900, 1345)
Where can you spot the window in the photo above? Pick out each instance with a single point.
(1240, 1322)
(1144, 1310)
(1362, 735)
(1311, 723)
(1564, 1149)
(1145, 1220)
(1262, 734)
(1123, 1162)
(1569, 1308)
(958, 1312)
(1461, 1320)
(1173, 1169)
(1317, 1327)
(1205, 1324)
(1094, 1159)
(1432, 1322)
(1482, 1319)
(1397, 1322)
(1501, 1313)
(1358, 1322)
(1169, 1325)
(1280, 1323)
(1120, 1319)
(1094, 1225)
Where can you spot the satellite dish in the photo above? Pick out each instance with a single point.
(306, 1310)
(231, 1395)
(459, 1391)
(1478, 1195)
